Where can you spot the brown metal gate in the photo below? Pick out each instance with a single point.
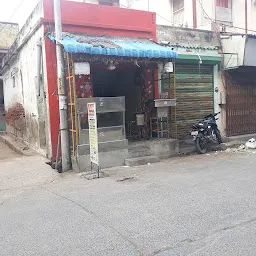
(241, 101)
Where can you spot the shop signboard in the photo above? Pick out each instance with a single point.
(93, 133)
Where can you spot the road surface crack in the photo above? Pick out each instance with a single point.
(187, 241)
(10, 198)
(103, 222)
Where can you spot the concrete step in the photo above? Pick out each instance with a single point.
(139, 152)
(187, 149)
(141, 160)
(240, 138)
(187, 142)
(230, 144)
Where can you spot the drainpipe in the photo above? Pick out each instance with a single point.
(39, 66)
(246, 17)
(194, 14)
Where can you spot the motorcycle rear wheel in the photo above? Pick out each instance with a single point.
(201, 145)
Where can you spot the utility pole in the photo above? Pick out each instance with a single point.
(62, 92)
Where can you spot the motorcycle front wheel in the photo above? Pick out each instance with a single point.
(201, 145)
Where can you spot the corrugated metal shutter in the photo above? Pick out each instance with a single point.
(194, 92)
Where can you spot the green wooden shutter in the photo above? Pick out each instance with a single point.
(194, 93)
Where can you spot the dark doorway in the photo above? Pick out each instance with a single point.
(123, 81)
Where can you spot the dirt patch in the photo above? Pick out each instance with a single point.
(22, 124)
(15, 120)
(14, 114)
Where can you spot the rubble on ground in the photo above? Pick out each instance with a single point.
(249, 147)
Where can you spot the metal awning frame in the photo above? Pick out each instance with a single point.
(82, 57)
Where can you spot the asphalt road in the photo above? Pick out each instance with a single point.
(196, 205)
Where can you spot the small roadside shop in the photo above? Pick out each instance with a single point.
(121, 76)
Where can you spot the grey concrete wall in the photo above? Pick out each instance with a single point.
(111, 154)
(164, 148)
(107, 159)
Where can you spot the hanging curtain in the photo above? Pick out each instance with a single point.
(84, 88)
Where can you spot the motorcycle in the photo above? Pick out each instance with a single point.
(206, 133)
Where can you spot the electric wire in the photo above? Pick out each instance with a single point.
(14, 12)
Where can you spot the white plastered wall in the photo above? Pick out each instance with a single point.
(23, 68)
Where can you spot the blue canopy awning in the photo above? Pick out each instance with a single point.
(115, 46)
